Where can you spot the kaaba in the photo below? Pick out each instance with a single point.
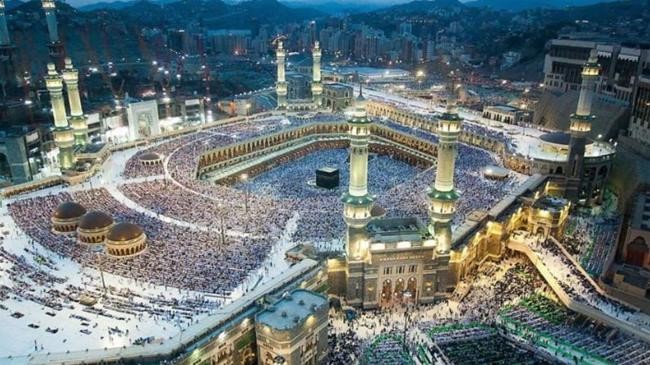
(327, 177)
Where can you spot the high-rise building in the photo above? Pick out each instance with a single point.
(63, 134)
(639, 127)
(8, 77)
(77, 118)
(621, 67)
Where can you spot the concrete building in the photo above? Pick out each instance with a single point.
(8, 77)
(293, 330)
(639, 127)
(630, 275)
(507, 114)
(298, 86)
(21, 153)
(621, 66)
(143, 119)
(337, 96)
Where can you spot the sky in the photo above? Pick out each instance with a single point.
(77, 3)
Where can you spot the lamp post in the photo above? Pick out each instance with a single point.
(221, 221)
(98, 250)
(244, 179)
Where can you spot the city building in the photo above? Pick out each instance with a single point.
(337, 96)
(293, 330)
(639, 127)
(621, 64)
(507, 114)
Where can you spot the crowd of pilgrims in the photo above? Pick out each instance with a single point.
(590, 240)
(468, 327)
(545, 317)
(34, 276)
(179, 257)
(285, 188)
(578, 285)
(255, 213)
(486, 291)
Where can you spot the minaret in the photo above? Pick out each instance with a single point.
(77, 118)
(357, 203)
(8, 79)
(581, 126)
(442, 195)
(316, 86)
(63, 135)
(4, 30)
(281, 84)
(57, 52)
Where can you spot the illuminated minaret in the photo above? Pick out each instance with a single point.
(442, 195)
(4, 31)
(57, 52)
(357, 203)
(581, 126)
(77, 118)
(8, 79)
(281, 84)
(63, 135)
(316, 86)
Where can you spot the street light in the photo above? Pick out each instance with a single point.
(98, 250)
(244, 179)
(221, 221)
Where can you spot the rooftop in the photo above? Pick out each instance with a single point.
(292, 310)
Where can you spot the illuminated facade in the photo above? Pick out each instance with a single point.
(8, 77)
(442, 195)
(293, 330)
(357, 202)
(63, 134)
(77, 118)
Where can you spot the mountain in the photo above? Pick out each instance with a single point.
(519, 5)
(337, 7)
(12, 4)
(115, 5)
(425, 6)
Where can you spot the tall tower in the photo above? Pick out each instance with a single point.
(316, 86)
(8, 79)
(281, 84)
(77, 118)
(580, 127)
(57, 52)
(63, 135)
(357, 203)
(442, 195)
